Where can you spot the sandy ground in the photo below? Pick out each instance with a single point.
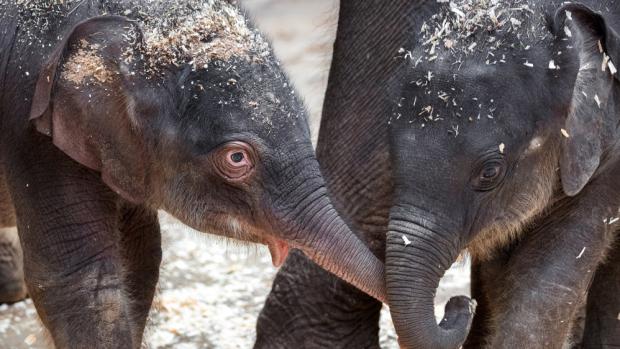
(211, 290)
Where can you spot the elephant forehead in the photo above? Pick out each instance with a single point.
(465, 27)
(198, 32)
(175, 32)
(433, 95)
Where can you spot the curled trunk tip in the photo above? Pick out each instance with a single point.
(451, 332)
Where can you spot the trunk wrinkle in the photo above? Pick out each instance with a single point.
(416, 220)
(423, 240)
(325, 238)
(413, 273)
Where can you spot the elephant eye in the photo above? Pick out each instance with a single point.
(237, 157)
(489, 175)
(234, 160)
(490, 172)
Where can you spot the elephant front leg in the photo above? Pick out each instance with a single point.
(485, 290)
(141, 250)
(12, 287)
(603, 309)
(547, 278)
(72, 259)
(75, 282)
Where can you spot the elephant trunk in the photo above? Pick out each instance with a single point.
(328, 241)
(417, 257)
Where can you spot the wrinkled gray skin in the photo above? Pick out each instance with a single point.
(89, 158)
(455, 189)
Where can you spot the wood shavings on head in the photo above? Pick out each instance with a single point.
(43, 5)
(464, 27)
(86, 65)
(209, 30)
(38, 18)
(175, 32)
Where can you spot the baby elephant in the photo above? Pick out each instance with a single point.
(506, 142)
(113, 109)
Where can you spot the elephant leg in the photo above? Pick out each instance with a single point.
(485, 287)
(547, 278)
(141, 251)
(315, 309)
(12, 286)
(68, 226)
(603, 309)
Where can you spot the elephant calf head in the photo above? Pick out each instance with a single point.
(498, 118)
(191, 112)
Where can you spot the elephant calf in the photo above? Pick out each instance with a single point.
(506, 142)
(112, 109)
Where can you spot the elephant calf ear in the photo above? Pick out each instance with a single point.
(583, 146)
(83, 102)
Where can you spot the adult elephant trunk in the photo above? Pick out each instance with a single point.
(417, 256)
(329, 242)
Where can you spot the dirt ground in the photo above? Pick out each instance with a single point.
(211, 290)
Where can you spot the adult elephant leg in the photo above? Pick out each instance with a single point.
(141, 251)
(325, 311)
(602, 328)
(68, 226)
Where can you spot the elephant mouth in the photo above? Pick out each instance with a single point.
(243, 231)
(279, 251)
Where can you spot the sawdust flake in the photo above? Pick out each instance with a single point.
(86, 64)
